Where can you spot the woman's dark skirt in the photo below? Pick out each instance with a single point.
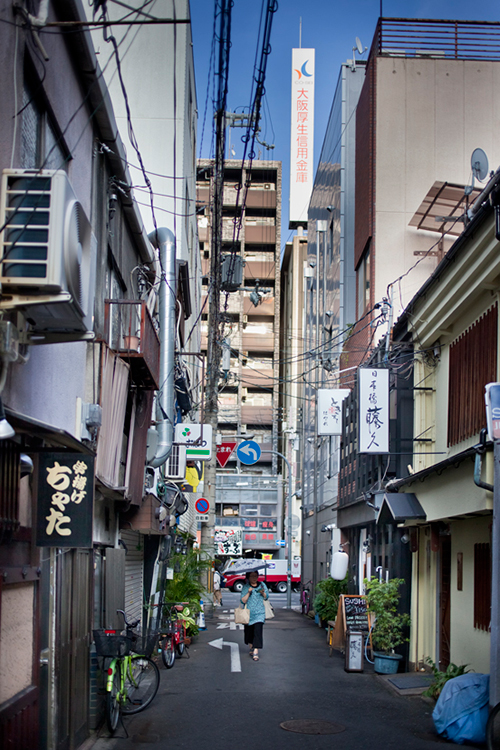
(253, 634)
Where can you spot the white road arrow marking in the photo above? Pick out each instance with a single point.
(247, 450)
(235, 652)
(222, 625)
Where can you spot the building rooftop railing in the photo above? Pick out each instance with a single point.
(453, 40)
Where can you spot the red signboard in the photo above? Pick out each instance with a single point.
(224, 451)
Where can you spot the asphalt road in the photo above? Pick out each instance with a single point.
(219, 698)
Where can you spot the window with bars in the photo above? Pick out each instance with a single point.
(40, 145)
(473, 363)
(482, 586)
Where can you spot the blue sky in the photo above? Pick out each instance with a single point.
(331, 27)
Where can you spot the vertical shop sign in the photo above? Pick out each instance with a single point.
(330, 410)
(302, 135)
(65, 500)
(373, 410)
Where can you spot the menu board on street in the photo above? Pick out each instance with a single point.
(352, 615)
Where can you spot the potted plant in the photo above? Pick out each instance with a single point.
(186, 586)
(326, 601)
(389, 629)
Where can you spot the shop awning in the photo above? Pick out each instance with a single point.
(399, 507)
(53, 436)
(443, 208)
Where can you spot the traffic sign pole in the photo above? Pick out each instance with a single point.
(289, 531)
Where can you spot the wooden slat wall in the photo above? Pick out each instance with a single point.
(473, 363)
(9, 486)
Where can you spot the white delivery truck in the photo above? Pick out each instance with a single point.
(273, 573)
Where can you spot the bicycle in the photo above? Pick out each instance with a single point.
(173, 637)
(133, 678)
(305, 597)
(493, 729)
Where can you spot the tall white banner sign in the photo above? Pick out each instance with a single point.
(330, 410)
(302, 135)
(373, 425)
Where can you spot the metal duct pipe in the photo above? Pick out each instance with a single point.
(164, 240)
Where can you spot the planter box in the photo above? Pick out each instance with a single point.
(386, 663)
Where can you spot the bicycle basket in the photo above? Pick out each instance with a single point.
(111, 645)
(145, 644)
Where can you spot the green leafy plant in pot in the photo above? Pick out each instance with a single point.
(389, 630)
(186, 585)
(326, 601)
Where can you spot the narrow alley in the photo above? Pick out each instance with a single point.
(204, 702)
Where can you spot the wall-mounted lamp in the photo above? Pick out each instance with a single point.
(312, 263)
(405, 539)
(329, 208)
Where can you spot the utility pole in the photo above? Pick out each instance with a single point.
(215, 329)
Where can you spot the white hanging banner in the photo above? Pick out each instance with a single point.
(373, 424)
(329, 410)
(302, 135)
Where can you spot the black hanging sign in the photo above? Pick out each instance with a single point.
(65, 500)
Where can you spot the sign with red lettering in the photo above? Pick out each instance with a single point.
(224, 451)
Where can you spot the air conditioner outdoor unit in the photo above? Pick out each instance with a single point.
(47, 250)
(175, 465)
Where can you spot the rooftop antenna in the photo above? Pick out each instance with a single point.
(361, 51)
(479, 166)
(300, 33)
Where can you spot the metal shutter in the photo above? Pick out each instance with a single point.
(134, 570)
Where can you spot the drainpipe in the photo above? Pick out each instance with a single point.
(478, 463)
(164, 240)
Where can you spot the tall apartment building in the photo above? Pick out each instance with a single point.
(249, 498)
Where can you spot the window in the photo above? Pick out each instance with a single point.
(363, 274)
(248, 510)
(40, 145)
(268, 510)
(473, 363)
(482, 586)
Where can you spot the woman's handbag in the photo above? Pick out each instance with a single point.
(268, 608)
(241, 615)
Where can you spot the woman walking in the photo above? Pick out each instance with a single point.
(254, 593)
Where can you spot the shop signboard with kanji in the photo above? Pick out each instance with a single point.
(228, 541)
(65, 500)
(373, 410)
(329, 410)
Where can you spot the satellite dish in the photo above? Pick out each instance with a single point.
(359, 46)
(479, 164)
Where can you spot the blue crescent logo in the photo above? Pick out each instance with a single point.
(304, 71)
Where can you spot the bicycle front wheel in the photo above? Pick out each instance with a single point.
(493, 729)
(112, 701)
(141, 684)
(168, 652)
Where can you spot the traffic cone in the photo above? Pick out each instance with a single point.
(201, 618)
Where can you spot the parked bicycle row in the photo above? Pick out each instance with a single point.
(132, 675)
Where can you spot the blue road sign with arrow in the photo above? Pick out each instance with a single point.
(248, 452)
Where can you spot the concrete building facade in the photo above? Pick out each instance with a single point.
(249, 385)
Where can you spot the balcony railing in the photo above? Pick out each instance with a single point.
(132, 334)
(456, 40)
